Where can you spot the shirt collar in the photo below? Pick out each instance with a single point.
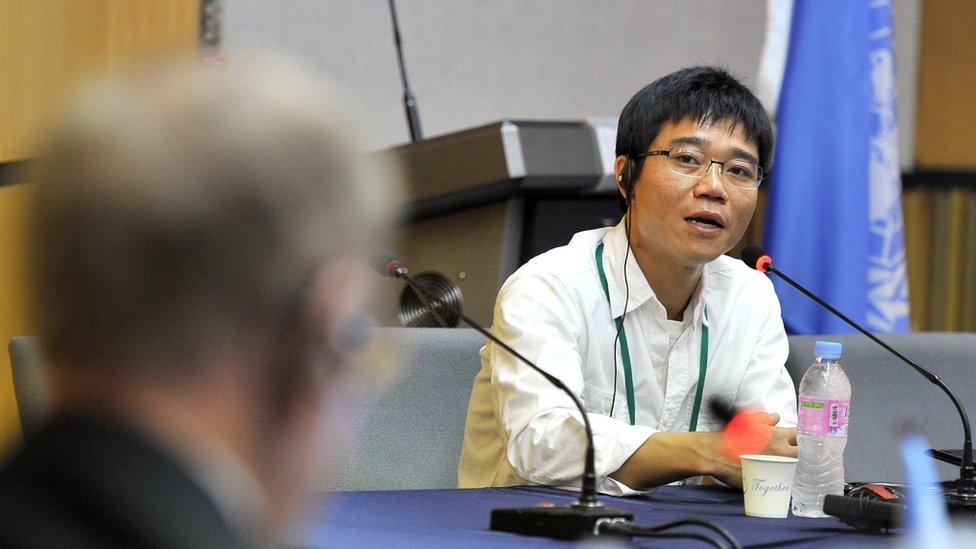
(615, 248)
(221, 474)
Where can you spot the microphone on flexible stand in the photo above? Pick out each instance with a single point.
(391, 268)
(409, 102)
(964, 493)
(587, 516)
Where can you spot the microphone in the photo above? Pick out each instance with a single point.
(389, 267)
(870, 515)
(409, 103)
(587, 516)
(964, 493)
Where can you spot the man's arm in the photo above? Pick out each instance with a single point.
(669, 456)
(539, 425)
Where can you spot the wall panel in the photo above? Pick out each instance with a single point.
(47, 48)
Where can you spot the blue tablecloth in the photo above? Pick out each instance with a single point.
(460, 518)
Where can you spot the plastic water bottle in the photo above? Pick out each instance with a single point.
(824, 414)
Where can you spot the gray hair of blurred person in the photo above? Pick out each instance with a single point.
(184, 209)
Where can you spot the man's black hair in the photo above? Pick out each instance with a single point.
(705, 94)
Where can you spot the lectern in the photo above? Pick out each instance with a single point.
(483, 201)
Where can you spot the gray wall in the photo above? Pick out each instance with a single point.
(472, 62)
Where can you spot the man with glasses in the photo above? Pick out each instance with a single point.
(657, 332)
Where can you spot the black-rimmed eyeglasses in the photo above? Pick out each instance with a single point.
(695, 163)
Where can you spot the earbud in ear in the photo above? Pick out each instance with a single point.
(626, 182)
(628, 179)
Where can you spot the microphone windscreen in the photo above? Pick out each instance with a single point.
(751, 256)
(747, 433)
(386, 263)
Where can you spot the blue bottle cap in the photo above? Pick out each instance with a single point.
(828, 349)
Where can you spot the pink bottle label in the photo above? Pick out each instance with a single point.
(819, 416)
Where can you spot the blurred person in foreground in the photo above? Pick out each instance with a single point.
(200, 287)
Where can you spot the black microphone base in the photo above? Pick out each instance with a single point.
(960, 496)
(559, 522)
(961, 502)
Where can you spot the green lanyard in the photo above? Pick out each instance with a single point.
(625, 353)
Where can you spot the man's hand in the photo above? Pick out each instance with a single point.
(670, 456)
(756, 433)
(751, 433)
(722, 464)
(782, 442)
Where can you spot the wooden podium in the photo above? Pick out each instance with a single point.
(484, 201)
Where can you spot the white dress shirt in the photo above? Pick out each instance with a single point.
(522, 430)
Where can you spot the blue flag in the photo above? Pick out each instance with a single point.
(834, 218)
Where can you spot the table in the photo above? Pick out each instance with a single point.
(459, 518)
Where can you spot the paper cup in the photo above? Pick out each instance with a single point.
(767, 484)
